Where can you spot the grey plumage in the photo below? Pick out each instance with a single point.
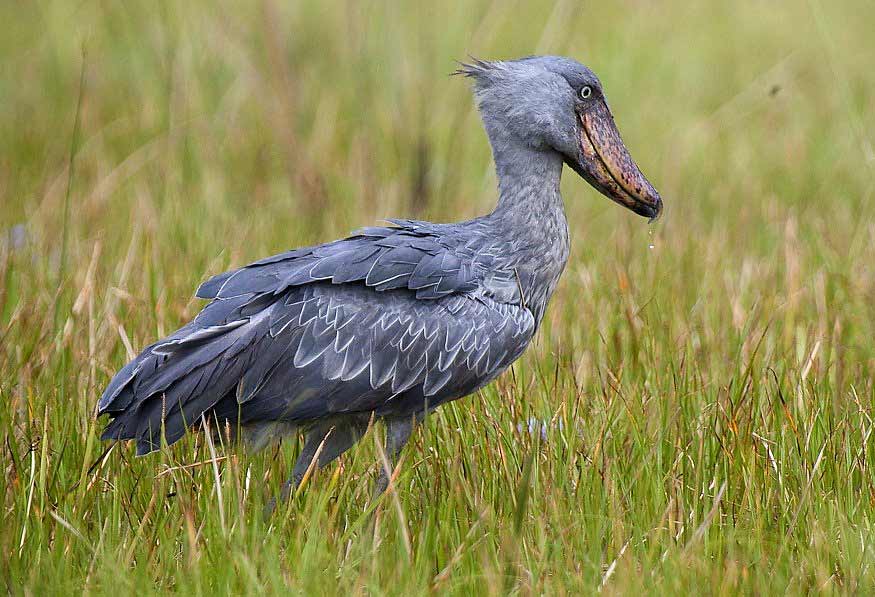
(390, 322)
(368, 324)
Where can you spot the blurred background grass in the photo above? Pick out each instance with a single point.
(696, 416)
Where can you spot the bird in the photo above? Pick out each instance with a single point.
(392, 321)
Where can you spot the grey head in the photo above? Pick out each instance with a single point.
(555, 104)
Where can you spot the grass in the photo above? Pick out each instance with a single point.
(696, 417)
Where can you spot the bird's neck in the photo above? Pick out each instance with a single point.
(528, 181)
(530, 219)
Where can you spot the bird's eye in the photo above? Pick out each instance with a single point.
(585, 91)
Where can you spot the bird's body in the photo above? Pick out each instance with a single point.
(388, 323)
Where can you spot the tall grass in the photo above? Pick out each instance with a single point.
(696, 416)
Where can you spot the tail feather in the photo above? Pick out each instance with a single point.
(168, 387)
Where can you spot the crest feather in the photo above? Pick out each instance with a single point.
(476, 68)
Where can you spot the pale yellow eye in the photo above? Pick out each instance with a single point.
(585, 91)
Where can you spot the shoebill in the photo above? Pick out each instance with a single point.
(392, 321)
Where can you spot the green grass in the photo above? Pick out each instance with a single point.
(708, 403)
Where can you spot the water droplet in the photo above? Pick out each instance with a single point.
(650, 245)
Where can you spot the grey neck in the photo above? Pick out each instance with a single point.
(528, 180)
(530, 219)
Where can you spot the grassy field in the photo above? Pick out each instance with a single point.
(696, 415)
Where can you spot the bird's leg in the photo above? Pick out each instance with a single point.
(337, 438)
(397, 433)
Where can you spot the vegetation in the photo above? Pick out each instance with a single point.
(696, 415)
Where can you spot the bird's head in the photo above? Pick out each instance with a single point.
(555, 103)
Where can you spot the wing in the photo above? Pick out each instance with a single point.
(428, 259)
(385, 319)
(314, 351)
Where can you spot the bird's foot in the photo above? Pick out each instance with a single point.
(272, 503)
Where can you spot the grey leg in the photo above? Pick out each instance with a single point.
(339, 437)
(397, 433)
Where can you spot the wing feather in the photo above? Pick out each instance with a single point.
(416, 256)
(391, 318)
